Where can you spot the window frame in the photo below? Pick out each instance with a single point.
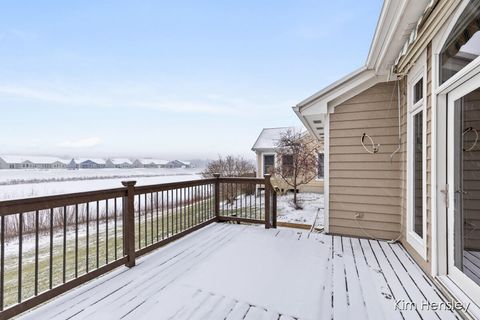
(323, 165)
(418, 72)
(263, 160)
(286, 174)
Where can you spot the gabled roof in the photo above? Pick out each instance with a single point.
(95, 160)
(154, 161)
(269, 138)
(120, 160)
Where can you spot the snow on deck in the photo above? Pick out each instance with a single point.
(229, 271)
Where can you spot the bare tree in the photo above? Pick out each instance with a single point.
(297, 155)
(230, 166)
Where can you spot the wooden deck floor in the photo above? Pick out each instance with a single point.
(227, 271)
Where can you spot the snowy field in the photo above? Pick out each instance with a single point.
(15, 184)
(311, 203)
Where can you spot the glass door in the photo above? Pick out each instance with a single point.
(464, 186)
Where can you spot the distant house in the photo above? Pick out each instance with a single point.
(72, 165)
(150, 163)
(267, 160)
(119, 163)
(32, 162)
(91, 163)
(177, 164)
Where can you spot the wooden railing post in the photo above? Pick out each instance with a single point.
(217, 195)
(268, 191)
(129, 223)
(274, 208)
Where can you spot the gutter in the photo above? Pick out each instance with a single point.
(296, 109)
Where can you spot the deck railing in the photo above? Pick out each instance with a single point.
(49, 245)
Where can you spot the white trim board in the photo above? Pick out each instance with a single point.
(417, 73)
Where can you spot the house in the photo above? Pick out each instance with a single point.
(402, 150)
(32, 162)
(91, 163)
(149, 163)
(72, 165)
(177, 164)
(119, 163)
(268, 159)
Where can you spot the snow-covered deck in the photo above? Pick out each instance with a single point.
(227, 271)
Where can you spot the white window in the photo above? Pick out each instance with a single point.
(321, 166)
(268, 163)
(416, 153)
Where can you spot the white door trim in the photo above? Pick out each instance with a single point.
(471, 288)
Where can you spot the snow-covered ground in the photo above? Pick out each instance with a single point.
(311, 203)
(19, 183)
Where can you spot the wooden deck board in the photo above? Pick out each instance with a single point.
(352, 279)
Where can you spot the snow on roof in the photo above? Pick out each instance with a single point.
(269, 137)
(96, 160)
(155, 161)
(33, 159)
(120, 160)
(187, 163)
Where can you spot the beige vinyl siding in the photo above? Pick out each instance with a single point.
(368, 184)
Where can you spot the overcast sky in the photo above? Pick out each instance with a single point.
(171, 79)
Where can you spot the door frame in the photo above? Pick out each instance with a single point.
(470, 287)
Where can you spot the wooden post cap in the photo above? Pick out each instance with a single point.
(267, 176)
(129, 183)
(216, 175)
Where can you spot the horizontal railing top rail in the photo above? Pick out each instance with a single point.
(172, 185)
(242, 180)
(58, 242)
(68, 199)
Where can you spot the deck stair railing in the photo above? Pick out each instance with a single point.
(49, 245)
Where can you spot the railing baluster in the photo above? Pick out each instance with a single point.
(157, 213)
(163, 214)
(115, 226)
(176, 210)
(139, 224)
(183, 209)
(64, 265)
(36, 253)
(250, 204)
(204, 202)
(20, 256)
(146, 221)
(188, 204)
(196, 204)
(2, 262)
(106, 231)
(151, 218)
(87, 247)
(236, 200)
(169, 217)
(51, 250)
(260, 200)
(76, 240)
(98, 234)
(217, 196)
